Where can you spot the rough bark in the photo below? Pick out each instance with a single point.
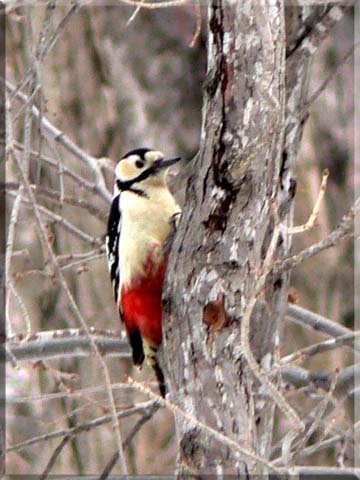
(255, 85)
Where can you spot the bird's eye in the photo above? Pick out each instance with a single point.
(139, 163)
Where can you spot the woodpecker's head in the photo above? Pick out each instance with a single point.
(142, 168)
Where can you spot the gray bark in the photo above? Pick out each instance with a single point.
(255, 86)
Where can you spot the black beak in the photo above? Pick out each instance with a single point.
(166, 162)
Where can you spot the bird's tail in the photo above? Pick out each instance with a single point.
(150, 352)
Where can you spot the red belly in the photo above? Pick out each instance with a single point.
(141, 305)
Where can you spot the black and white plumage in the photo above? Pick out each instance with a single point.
(140, 224)
(112, 245)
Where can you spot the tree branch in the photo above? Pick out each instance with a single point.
(309, 42)
(55, 195)
(326, 472)
(315, 321)
(344, 229)
(58, 344)
(300, 377)
(70, 146)
(307, 104)
(60, 220)
(54, 456)
(147, 415)
(348, 340)
(84, 427)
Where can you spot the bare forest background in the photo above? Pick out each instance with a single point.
(112, 81)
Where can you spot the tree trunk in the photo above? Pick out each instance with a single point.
(251, 132)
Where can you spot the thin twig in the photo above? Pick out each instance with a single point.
(149, 5)
(54, 456)
(59, 196)
(328, 443)
(300, 377)
(46, 49)
(67, 343)
(344, 229)
(83, 262)
(320, 411)
(48, 249)
(57, 219)
(133, 15)
(10, 246)
(198, 24)
(72, 394)
(315, 321)
(22, 306)
(59, 29)
(84, 427)
(307, 104)
(53, 163)
(146, 416)
(13, 216)
(314, 214)
(321, 347)
(70, 146)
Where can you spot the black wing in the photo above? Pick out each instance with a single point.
(112, 245)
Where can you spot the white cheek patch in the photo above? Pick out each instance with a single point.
(125, 169)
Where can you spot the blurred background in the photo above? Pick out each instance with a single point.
(112, 85)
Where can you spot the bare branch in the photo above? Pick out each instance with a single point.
(198, 25)
(57, 219)
(307, 104)
(300, 377)
(320, 411)
(326, 472)
(54, 456)
(13, 218)
(53, 194)
(58, 344)
(44, 47)
(91, 187)
(306, 352)
(48, 249)
(84, 427)
(73, 394)
(24, 311)
(65, 141)
(344, 229)
(71, 260)
(316, 321)
(328, 443)
(314, 214)
(147, 415)
(59, 29)
(149, 5)
(310, 41)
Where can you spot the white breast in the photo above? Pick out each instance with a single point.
(145, 224)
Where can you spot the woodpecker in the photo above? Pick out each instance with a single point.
(142, 218)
